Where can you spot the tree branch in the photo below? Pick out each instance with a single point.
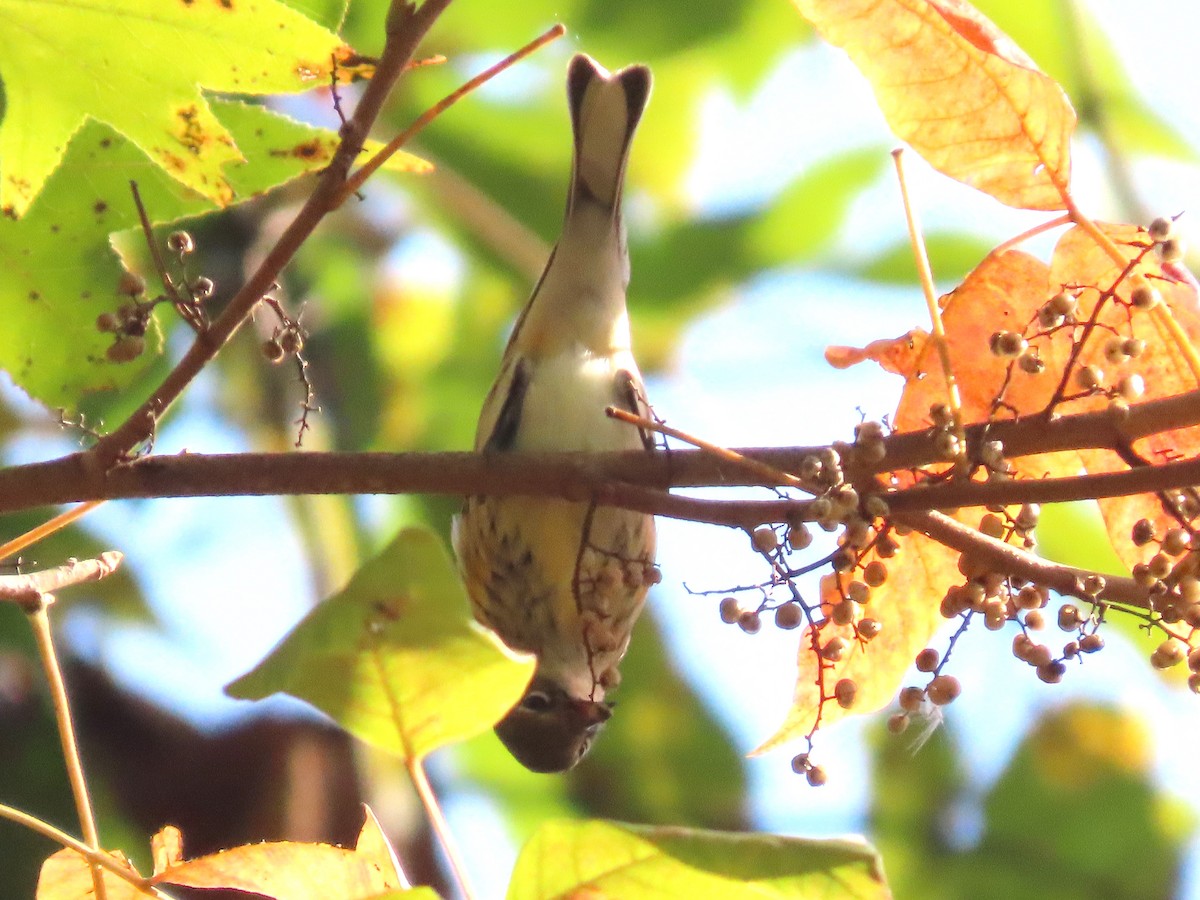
(406, 26)
(634, 479)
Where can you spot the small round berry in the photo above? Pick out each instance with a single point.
(131, 284)
(941, 414)
(858, 592)
(272, 350)
(107, 322)
(764, 539)
(788, 616)
(1161, 229)
(1134, 347)
(843, 613)
(1145, 297)
(820, 508)
(1170, 652)
(992, 525)
(1143, 532)
(1030, 363)
(875, 573)
(799, 537)
(1027, 517)
(800, 763)
(816, 776)
(1159, 565)
(1062, 303)
(202, 288)
(651, 575)
(869, 628)
(1089, 377)
(876, 507)
(1193, 683)
(886, 547)
(912, 699)
(1031, 597)
(1049, 317)
(1171, 250)
(749, 621)
(842, 560)
(834, 649)
(1114, 350)
(1007, 344)
(927, 660)
(730, 610)
(1068, 617)
(126, 348)
(1090, 643)
(1176, 541)
(1039, 655)
(180, 242)
(1052, 672)
(1070, 649)
(1131, 386)
(944, 689)
(845, 692)
(1022, 646)
(897, 723)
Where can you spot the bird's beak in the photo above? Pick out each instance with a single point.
(592, 712)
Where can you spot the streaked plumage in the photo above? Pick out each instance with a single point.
(566, 581)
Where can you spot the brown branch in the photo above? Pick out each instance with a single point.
(619, 479)
(406, 26)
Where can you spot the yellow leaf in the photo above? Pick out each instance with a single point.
(960, 92)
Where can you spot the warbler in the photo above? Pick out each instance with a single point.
(567, 580)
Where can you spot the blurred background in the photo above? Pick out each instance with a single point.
(764, 224)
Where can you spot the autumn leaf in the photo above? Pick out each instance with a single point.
(1162, 369)
(599, 859)
(107, 60)
(960, 92)
(395, 657)
(66, 875)
(908, 607)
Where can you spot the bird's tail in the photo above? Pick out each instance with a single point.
(605, 109)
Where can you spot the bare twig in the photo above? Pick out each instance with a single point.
(27, 590)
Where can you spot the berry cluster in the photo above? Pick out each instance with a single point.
(128, 325)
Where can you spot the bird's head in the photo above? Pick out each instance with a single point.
(549, 730)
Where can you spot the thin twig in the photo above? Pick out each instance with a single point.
(925, 274)
(97, 857)
(39, 621)
(28, 589)
(355, 181)
(441, 828)
(47, 528)
(406, 26)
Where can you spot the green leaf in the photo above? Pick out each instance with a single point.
(395, 657)
(140, 65)
(597, 858)
(61, 272)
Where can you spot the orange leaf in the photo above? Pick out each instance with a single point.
(167, 848)
(907, 604)
(896, 355)
(1163, 368)
(67, 876)
(960, 92)
(285, 870)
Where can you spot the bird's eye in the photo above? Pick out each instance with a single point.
(536, 701)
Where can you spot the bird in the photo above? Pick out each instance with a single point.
(566, 580)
